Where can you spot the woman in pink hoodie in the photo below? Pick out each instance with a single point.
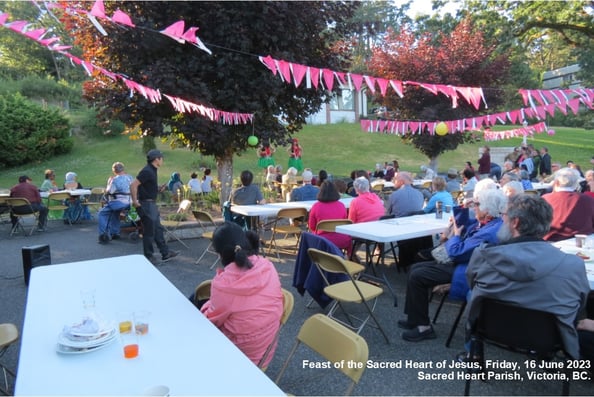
(246, 302)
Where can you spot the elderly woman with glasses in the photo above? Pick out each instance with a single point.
(488, 206)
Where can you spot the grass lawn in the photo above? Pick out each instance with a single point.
(337, 148)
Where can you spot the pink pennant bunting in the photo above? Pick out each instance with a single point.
(357, 80)
(98, 9)
(3, 18)
(122, 18)
(35, 34)
(299, 72)
(383, 85)
(269, 62)
(175, 31)
(315, 76)
(285, 70)
(328, 76)
(397, 87)
(17, 26)
(370, 81)
(574, 105)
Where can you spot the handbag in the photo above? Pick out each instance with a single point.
(440, 254)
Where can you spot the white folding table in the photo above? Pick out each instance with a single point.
(182, 350)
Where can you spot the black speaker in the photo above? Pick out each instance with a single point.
(35, 255)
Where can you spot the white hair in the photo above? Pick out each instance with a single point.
(567, 177)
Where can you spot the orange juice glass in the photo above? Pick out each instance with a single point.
(131, 350)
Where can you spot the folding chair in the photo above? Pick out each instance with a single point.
(516, 329)
(288, 304)
(205, 220)
(95, 200)
(335, 343)
(9, 334)
(56, 202)
(202, 293)
(286, 214)
(171, 226)
(13, 202)
(329, 225)
(444, 291)
(351, 291)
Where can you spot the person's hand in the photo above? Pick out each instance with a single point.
(586, 324)
(457, 229)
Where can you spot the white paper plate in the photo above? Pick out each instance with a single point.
(86, 342)
(103, 328)
(81, 350)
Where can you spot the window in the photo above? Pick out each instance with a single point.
(342, 100)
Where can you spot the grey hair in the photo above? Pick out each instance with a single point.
(492, 201)
(567, 177)
(361, 184)
(405, 177)
(511, 176)
(514, 186)
(483, 184)
(534, 214)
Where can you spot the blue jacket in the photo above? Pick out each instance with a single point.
(445, 197)
(305, 193)
(461, 249)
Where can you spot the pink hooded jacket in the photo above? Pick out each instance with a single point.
(246, 305)
(366, 207)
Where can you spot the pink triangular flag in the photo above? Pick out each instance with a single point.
(269, 62)
(298, 73)
(122, 18)
(98, 9)
(383, 85)
(285, 70)
(370, 81)
(357, 80)
(328, 76)
(397, 86)
(175, 30)
(315, 76)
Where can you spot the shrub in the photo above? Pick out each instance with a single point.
(30, 134)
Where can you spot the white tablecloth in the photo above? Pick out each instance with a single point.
(569, 247)
(182, 350)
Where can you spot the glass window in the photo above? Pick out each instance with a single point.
(342, 100)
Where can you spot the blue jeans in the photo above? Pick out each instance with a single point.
(152, 230)
(109, 218)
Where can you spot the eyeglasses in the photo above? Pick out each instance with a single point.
(473, 204)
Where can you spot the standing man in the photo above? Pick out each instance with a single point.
(484, 163)
(144, 190)
(25, 189)
(117, 193)
(545, 162)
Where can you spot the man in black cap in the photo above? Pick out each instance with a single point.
(25, 189)
(144, 190)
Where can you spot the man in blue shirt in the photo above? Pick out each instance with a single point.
(307, 191)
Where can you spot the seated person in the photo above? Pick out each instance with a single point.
(585, 329)
(207, 181)
(439, 194)
(469, 180)
(525, 180)
(378, 172)
(328, 206)
(49, 184)
(452, 183)
(512, 188)
(246, 301)
(573, 212)
(366, 207)
(307, 191)
(508, 177)
(405, 200)
(390, 172)
(271, 178)
(528, 271)
(427, 173)
(118, 198)
(195, 184)
(489, 205)
(247, 194)
(176, 187)
(25, 189)
(289, 180)
(75, 209)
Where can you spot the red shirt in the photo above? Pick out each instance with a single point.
(26, 190)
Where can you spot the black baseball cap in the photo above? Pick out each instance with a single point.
(153, 154)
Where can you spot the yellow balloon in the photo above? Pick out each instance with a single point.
(441, 128)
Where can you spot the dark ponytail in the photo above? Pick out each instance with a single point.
(233, 244)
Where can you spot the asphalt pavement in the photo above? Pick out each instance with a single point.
(398, 368)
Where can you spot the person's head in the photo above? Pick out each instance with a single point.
(452, 173)
(292, 171)
(555, 167)
(512, 188)
(438, 183)
(467, 173)
(233, 244)
(362, 173)
(328, 192)
(486, 149)
(361, 185)
(49, 174)
(589, 175)
(524, 175)
(468, 165)
(246, 177)
(341, 186)
(322, 176)
(378, 166)
(566, 178)
(279, 169)
(271, 170)
(70, 177)
(307, 176)
(207, 171)
(396, 165)
(489, 204)
(175, 176)
(424, 168)
(24, 179)
(508, 165)
(544, 150)
(154, 157)
(527, 215)
(117, 167)
(485, 184)
(403, 178)
(194, 175)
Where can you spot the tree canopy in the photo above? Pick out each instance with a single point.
(461, 58)
(231, 79)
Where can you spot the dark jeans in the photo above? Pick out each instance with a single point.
(422, 277)
(24, 210)
(152, 230)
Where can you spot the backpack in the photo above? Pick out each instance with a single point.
(229, 216)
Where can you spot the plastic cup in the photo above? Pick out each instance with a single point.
(580, 240)
(125, 322)
(129, 341)
(141, 321)
(448, 208)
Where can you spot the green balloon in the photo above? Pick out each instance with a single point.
(252, 140)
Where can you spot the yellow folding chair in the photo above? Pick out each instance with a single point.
(280, 228)
(288, 304)
(13, 202)
(205, 220)
(172, 226)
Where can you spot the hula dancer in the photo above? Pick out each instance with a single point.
(295, 152)
(265, 156)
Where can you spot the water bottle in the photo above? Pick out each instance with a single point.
(439, 210)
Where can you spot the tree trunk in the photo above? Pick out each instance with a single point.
(225, 176)
(433, 163)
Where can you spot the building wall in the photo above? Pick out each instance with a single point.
(561, 78)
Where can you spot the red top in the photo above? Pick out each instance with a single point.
(26, 190)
